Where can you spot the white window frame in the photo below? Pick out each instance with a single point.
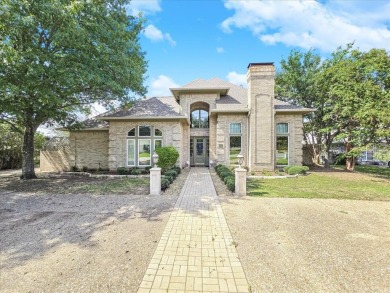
(234, 133)
(127, 152)
(288, 143)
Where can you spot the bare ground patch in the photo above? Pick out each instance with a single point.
(53, 239)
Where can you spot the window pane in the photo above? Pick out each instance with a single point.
(131, 132)
(144, 152)
(130, 152)
(235, 149)
(235, 128)
(144, 130)
(282, 128)
(282, 150)
(204, 119)
(157, 132)
(157, 143)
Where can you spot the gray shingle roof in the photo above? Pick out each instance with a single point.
(159, 107)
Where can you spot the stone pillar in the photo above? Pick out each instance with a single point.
(240, 185)
(155, 181)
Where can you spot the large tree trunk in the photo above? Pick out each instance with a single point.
(28, 152)
(350, 160)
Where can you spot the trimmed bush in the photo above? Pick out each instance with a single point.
(294, 170)
(227, 176)
(285, 169)
(171, 173)
(84, 169)
(122, 171)
(231, 183)
(165, 182)
(135, 171)
(177, 169)
(167, 157)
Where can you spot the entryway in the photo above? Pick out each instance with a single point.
(199, 151)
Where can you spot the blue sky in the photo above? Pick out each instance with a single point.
(186, 40)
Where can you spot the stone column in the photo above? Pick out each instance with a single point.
(155, 181)
(240, 184)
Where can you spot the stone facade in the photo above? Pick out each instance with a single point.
(117, 146)
(295, 136)
(89, 149)
(54, 161)
(261, 83)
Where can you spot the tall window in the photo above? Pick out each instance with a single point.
(282, 144)
(199, 119)
(141, 143)
(234, 142)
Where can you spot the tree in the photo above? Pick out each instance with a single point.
(11, 147)
(297, 83)
(59, 56)
(360, 98)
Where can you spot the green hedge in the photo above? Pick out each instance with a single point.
(227, 176)
(169, 176)
(294, 170)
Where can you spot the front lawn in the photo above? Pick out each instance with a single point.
(334, 184)
(374, 170)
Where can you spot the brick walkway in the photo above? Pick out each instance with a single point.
(196, 252)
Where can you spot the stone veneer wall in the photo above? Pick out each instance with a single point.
(295, 126)
(186, 100)
(172, 135)
(261, 82)
(223, 136)
(89, 149)
(54, 161)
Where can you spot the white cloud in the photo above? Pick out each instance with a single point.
(236, 78)
(155, 35)
(310, 24)
(220, 50)
(161, 85)
(144, 6)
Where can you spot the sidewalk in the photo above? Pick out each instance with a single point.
(196, 252)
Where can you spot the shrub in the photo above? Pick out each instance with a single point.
(135, 171)
(170, 178)
(294, 170)
(167, 157)
(285, 169)
(171, 173)
(164, 183)
(122, 171)
(226, 179)
(231, 183)
(84, 169)
(177, 169)
(227, 176)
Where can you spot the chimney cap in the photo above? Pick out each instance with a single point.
(260, 64)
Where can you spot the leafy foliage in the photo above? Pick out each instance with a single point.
(227, 176)
(59, 56)
(294, 170)
(350, 92)
(167, 157)
(11, 147)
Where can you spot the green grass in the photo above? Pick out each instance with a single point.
(374, 170)
(337, 185)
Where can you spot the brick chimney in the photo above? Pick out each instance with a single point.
(261, 83)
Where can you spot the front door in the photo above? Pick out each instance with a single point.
(199, 151)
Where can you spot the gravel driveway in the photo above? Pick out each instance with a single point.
(309, 245)
(79, 243)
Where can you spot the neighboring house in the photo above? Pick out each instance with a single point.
(207, 121)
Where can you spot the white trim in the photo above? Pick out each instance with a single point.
(127, 152)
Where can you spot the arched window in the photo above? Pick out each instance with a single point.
(199, 119)
(141, 143)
